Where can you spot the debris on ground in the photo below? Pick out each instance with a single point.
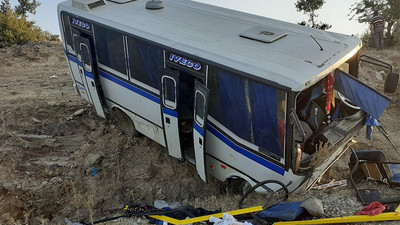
(50, 141)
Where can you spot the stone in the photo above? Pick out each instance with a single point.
(314, 207)
(79, 112)
(2, 190)
(93, 159)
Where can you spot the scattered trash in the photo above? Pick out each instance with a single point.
(378, 76)
(314, 207)
(331, 184)
(54, 76)
(370, 122)
(79, 112)
(390, 216)
(160, 204)
(68, 222)
(227, 219)
(287, 211)
(36, 120)
(201, 215)
(374, 208)
(94, 171)
(373, 165)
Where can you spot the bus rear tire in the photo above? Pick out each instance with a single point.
(125, 123)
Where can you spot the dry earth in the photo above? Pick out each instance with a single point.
(47, 154)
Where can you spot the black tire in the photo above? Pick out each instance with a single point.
(235, 185)
(391, 83)
(125, 123)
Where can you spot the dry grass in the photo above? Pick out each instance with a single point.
(76, 197)
(89, 205)
(321, 154)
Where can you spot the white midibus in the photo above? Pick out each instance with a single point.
(241, 96)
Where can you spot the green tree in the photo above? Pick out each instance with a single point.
(4, 6)
(26, 6)
(15, 28)
(309, 7)
(363, 10)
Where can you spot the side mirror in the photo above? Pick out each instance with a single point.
(391, 82)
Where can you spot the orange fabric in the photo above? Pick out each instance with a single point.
(330, 92)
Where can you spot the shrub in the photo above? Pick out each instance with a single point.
(16, 29)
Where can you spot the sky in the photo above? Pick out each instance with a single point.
(334, 12)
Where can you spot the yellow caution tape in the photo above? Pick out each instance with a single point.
(390, 216)
(206, 218)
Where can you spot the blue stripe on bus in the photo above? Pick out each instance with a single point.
(246, 153)
(198, 129)
(117, 81)
(90, 75)
(130, 87)
(73, 59)
(170, 112)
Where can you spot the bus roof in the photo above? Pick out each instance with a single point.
(295, 57)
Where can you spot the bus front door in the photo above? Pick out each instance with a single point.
(88, 71)
(169, 106)
(199, 128)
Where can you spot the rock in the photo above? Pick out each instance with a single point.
(2, 190)
(79, 112)
(36, 120)
(314, 206)
(52, 103)
(57, 220)
(95, 134)
(93, 159)
(68, 222)
(159, 204)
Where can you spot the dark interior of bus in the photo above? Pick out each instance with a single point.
(185, 113)
(321, 128)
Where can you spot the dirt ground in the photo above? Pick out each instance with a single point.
(59, 160)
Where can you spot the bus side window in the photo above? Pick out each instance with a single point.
(86, 58)
(144, 61)
(67, 33)
(200, 108)
(253, 111)
(110, 49)
(169, 92)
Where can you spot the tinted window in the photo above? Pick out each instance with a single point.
(87, 61)
(200, 103)
(67, 32)
(253, 111)
(110, 48)
(144, 61)
(169, 87)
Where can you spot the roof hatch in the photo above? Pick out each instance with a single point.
(263, 34)
(121, 1)
(87, 5)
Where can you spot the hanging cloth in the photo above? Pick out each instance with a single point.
(330, 92)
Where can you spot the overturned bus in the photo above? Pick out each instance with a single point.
(241, 96)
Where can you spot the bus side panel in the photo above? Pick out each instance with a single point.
(131, 98)
(143, 126)
(250, 165)
(74, 70)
